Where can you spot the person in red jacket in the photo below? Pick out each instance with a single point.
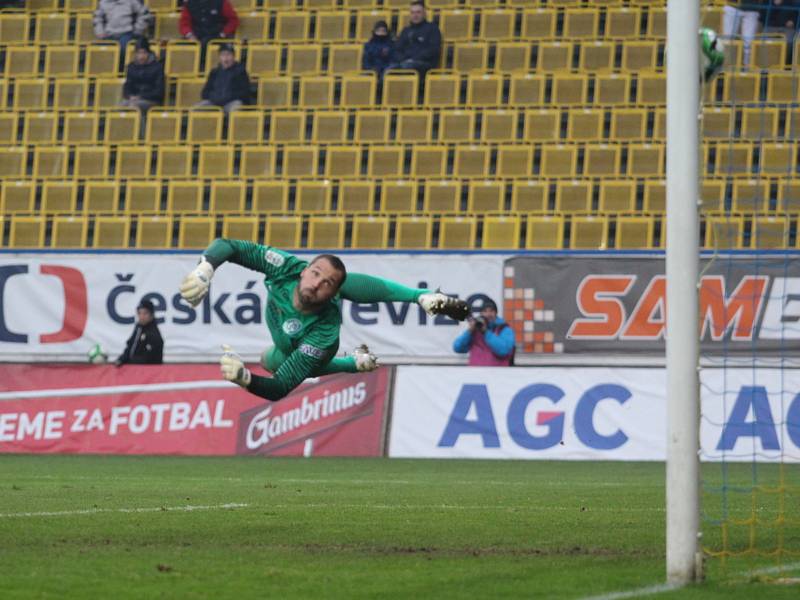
(205, 20)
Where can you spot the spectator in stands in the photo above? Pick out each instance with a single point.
(145, 346)
(488, 339)
(121, 20)
(379, 51)
(420, 43)
(739, 15)
(228, 85)
(144, 79)
(206, 20)
(780, 16)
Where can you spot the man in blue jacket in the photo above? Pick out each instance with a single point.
(488, 339)
(420, 43)
(228, 85)
(144, 79)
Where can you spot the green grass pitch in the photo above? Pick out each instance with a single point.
(119, 527)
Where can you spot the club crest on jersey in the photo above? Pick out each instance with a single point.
(292, 326)
(274, 258)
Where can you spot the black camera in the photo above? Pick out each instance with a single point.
(480, 322)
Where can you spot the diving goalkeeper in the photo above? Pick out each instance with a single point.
(302, 312)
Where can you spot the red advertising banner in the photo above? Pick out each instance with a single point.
(185, 409)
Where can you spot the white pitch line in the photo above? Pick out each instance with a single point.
(94, 511)
(115, 389)
(489, 507)
(668, 587)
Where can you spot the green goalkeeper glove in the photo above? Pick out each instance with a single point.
(233, 368)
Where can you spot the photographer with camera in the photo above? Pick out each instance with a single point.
(488, 339)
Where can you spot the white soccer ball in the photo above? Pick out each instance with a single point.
(97, 355)
(712, 53)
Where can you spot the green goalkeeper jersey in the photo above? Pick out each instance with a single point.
(308, 340)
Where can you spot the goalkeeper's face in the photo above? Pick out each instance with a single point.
(319, 282)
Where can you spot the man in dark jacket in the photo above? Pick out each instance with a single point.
(206, 20)
(228, 85)
(144, 79)
(145, 346)
(379, 50)
(419, 44)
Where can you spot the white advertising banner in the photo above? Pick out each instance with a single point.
(588, 414)
(60, 305)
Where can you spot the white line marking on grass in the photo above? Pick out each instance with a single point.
(94, 511)
(115, 389)
(490, 507)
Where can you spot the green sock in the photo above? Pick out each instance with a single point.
(365, 288)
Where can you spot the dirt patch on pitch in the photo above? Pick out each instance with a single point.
(432, 551)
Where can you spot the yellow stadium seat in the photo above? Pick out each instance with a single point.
(154, 232)
(122, 127)
(22, 61)
(718, 122)
(163, 126)
(283, 232)
(184, 197)
(413, 233)
(526, 89)
(385, 161)
(300, 161)
(442, 88)
(263, 59)
(317, 92)
(292, 26)
(651, 88)
(501, 232)
(17, 196)
(635, 232)
(585, 125)
(61, 61)
(4, 85)
(102, 59)
(270, 196)
(733, 158)
(40, 128)
(182, 59)
(788, 196)
(542, 125)
(741, 88)
(769, 53)
(279, 4)
(400, 88)
(373, 126)
(253, 26)
(257, 162)
(304, 59)
(240, 228)
(188, 91)
(497, 24)
(287, 126)
(456, 24)
(275, 91)
(366, 19)
(370, 232)
(597, 57)
(760, 123)
(782, 87)
(442, 196)
(559, 161)
(660, 124)
(612, 89)
(428, 161)
(628, 124)
(570, 89)
(59, 197)
(246, 126)
(108, 92)
(514, 161)
(499, 125)
(712, 196)
(770, 233)
(101, 197)
(343, 162)
(344, 58)
(81, 127)
(26, 232)
(215, 161)
(174, 161)
(539, 23)
(513, 56)
(472, 161)
(195, 232)
(227, 197)
(581, 23)
(617, 195)
(167, 26)
(50, 163)
(14, 28)
(111, 232)
(600, 160)
(326, 232)
(329, 126)
(778, 158)
(574, 196)
(486, 196)
(69, 232)
(71, 93)
(623, 22)
(332, 26)
(529, 196)
(792, 123)
(358, 90)
(589, 233)
(8, 128)
(456, 126)
(646, 160)
(91, 162)
(399, 196)
(724, 232)
(355, 197)
(52, 28)
(457, 232)
(413, 126)
(484, 89)
(30, 94)
(555, 56)
(205, 126)
(750, 196)
(470, 56)
(711, 16)
(655, 196)
(544, 232)
(133, 162)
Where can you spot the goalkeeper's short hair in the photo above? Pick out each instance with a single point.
(335, 262)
